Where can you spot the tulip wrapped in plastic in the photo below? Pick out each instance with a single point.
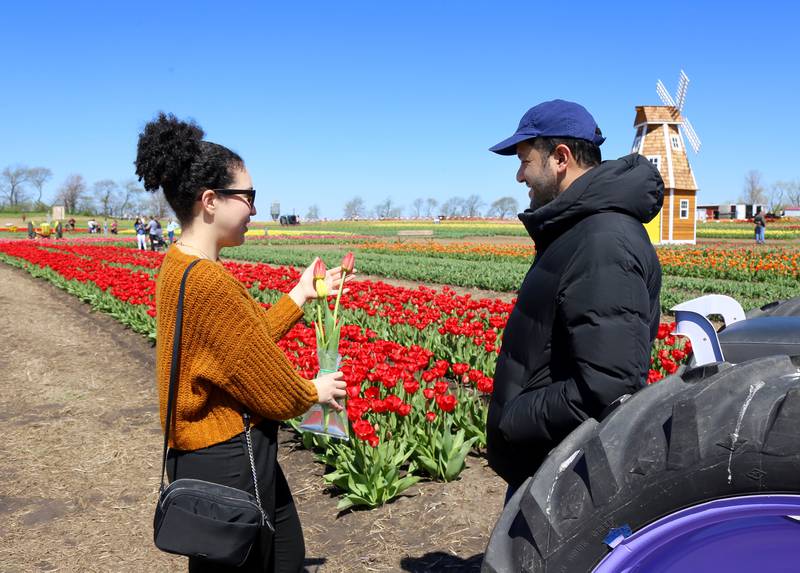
(321, 418)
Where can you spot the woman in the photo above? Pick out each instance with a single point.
(230, 363)
(141, 243)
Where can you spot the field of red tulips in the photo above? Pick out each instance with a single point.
(418, 362)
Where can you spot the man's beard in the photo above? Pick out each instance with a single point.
(544, 191)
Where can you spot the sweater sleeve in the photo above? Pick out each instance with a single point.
(282, 316)
(242, 339)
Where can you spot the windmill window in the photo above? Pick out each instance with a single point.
(637, 140)
(654, 159)
(684, 208)
(676, 143)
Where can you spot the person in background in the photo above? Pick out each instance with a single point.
(114, 227)
(159, 235)
(152, 227)
(172, 226)
(138, 226)
(761, 227)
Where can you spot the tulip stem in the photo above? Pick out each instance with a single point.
(338, 298)
(320, 327)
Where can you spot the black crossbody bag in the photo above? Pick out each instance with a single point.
(197, 518)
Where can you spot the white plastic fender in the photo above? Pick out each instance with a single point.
(691, 321)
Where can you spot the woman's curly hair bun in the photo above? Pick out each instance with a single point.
(167, 147)
(172, 156)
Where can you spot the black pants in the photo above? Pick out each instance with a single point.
(227, 463)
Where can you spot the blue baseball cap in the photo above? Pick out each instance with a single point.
(557, 118)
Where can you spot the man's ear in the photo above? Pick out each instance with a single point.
(562, 155)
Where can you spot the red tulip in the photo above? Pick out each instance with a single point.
(486, 385)
(411, 386)
(393, 402)
(363, 429)
(459, 369)
(447, 402)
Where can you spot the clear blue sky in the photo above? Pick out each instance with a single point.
(328, 100)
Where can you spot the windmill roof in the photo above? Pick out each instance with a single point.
(657, 114)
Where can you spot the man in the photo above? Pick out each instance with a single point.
(152, 231)
(761, 227)
(588, 310)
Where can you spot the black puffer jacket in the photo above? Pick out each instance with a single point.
(586, 316)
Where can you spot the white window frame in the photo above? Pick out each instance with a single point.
(637, 141)
(676, 142)
(684, 209)
(655, 160)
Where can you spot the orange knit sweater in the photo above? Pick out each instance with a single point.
(230, 361)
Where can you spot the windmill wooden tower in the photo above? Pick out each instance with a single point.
(659, 137)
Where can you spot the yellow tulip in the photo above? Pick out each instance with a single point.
(321, 287)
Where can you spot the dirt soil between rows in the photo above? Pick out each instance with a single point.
(80, 453)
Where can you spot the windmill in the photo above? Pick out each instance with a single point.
(660, 132)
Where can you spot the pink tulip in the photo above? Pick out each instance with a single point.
(320, 269)
(348, 262)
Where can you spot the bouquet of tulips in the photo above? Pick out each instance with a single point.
(320, 419)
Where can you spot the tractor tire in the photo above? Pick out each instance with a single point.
(704, 434)
(789, 307)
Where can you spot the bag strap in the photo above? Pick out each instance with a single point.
(174, 370)
(174, 374)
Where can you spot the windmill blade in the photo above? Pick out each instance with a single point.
(664, 94)
(691, 135)
(683, 84)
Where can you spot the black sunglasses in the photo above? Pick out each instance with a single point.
(250, 194)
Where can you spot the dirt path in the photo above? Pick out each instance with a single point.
(81, 446)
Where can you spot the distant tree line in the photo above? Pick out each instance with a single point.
(776, 197)
(21, 189)
(471, 207)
